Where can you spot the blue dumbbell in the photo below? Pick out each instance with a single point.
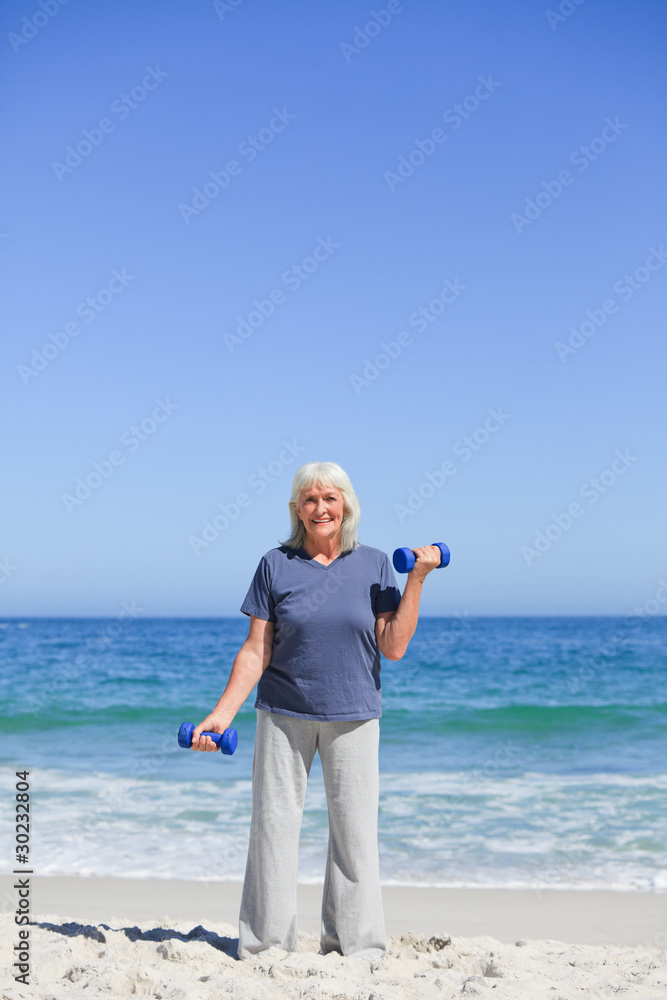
(226, 742)
(404, 559)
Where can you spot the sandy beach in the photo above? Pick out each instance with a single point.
(173, 939)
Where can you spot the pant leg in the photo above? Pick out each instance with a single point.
(283, 754)
(352, 912)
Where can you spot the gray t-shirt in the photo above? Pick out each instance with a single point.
(325, 662)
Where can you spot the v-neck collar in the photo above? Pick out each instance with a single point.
(315, 562)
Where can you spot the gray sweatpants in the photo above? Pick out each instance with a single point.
(352, 914)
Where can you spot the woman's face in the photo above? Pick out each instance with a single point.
(321, 509)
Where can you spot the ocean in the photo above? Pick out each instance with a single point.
(514, 752)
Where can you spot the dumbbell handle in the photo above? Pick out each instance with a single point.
(404, 559)
(216, 737)
(226, 742)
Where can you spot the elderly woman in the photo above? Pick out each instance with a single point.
(322, 608)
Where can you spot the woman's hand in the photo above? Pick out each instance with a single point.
(216, 722)
(427, 558)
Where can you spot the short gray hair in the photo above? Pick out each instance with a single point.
(325, 474)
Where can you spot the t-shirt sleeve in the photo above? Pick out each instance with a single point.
(259, 600)
(388, 596)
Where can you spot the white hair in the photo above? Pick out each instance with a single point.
(324, 474)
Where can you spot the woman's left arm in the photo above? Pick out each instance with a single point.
(394, 629)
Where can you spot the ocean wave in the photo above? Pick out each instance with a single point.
(533, 831)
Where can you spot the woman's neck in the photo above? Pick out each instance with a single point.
(325, 550)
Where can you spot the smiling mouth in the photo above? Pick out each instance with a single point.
(324, 520)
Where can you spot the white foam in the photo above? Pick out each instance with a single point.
(520, 831)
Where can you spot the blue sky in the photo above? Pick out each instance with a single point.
(238, 237)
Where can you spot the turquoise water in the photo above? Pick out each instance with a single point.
(525, 752)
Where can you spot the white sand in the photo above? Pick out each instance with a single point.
(174, 956)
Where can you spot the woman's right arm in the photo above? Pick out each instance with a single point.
(250, 663)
